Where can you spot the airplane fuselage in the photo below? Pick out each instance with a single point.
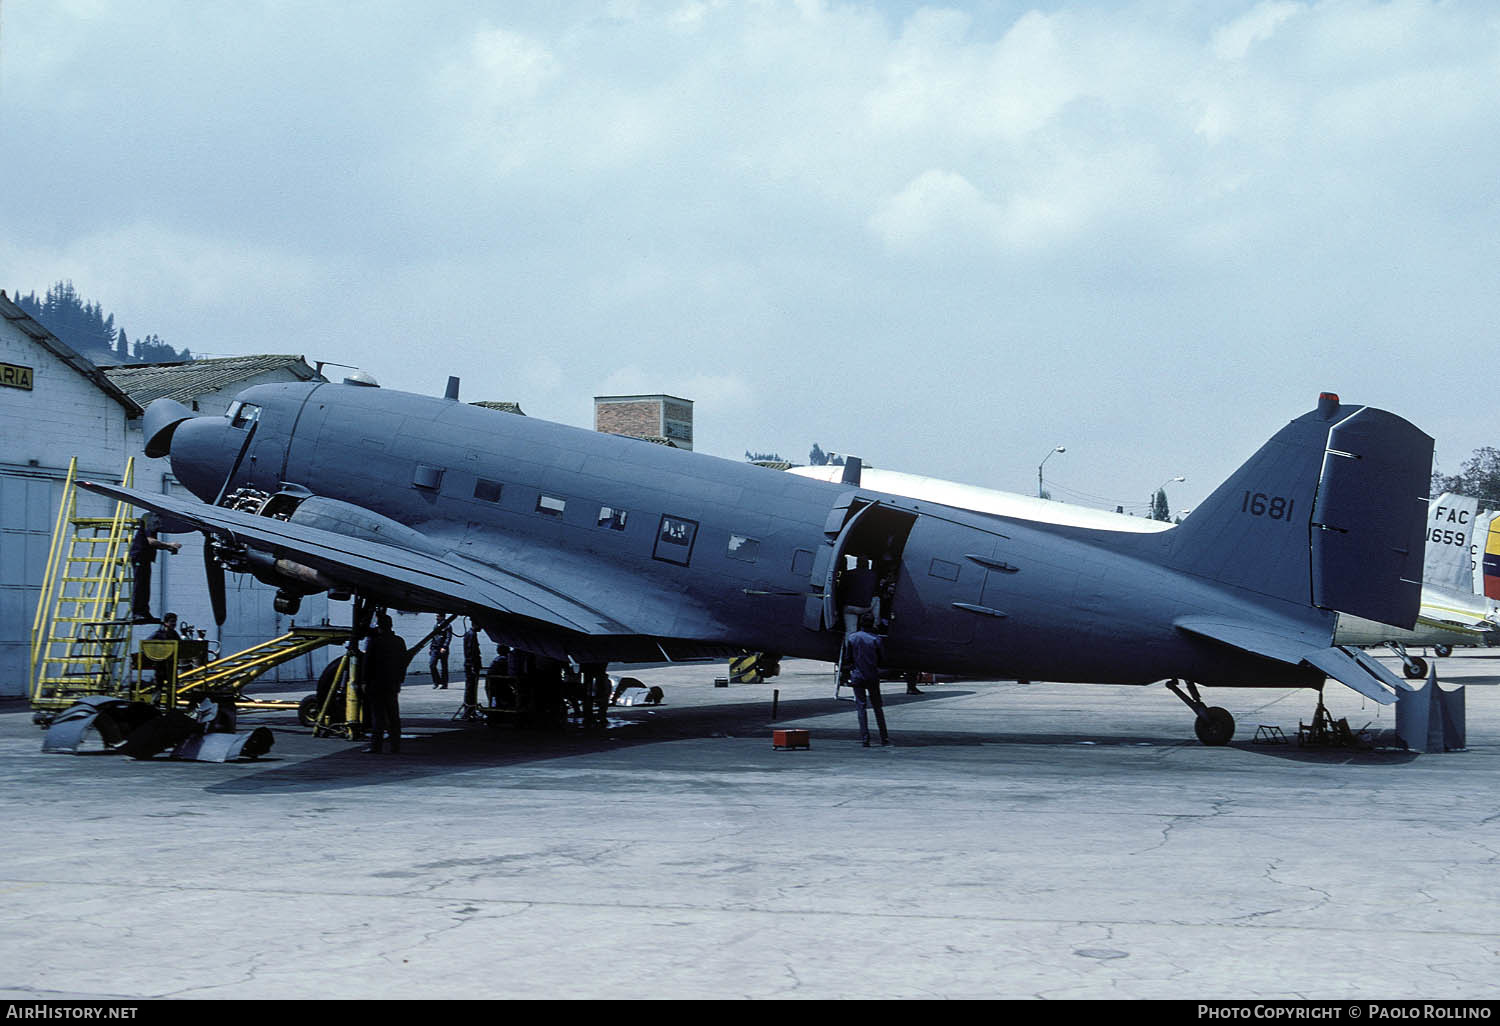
(727, 553)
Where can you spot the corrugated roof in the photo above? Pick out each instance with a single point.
(44, 338)
(185, 380)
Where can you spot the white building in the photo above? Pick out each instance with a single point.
(55, 405)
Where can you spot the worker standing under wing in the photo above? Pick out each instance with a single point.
(384, 670)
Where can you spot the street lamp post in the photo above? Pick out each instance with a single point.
(1055, 450)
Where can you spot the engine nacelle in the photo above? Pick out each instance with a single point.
(293, 579)
(357, 522)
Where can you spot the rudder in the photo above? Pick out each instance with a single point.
(1369, 525)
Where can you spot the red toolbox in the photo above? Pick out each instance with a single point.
(790, 739)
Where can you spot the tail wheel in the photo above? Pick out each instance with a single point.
(1215, 727)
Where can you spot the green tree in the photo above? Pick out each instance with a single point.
(1159, 508)
(86, 328)
(152, 349)
(1479, 476)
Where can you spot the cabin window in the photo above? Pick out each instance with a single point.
(674, 542)
(747, 550)
(612, 518)
(550, 505)
(489, 491)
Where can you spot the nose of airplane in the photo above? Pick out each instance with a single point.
(201, 452)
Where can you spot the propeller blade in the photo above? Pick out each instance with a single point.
(215, 575)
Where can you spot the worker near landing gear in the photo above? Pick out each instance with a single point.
(864, 651)
(384, 669)
(547, 693)
(596, 693)
(473, 663)
(437, 654)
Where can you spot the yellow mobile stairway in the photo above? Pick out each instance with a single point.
(227, 677)
(81, 634)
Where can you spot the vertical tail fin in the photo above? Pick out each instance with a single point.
(1490, 565)
(1331, 512)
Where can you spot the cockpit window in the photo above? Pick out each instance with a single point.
(243, 414)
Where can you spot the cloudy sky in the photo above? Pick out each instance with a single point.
(946, 238)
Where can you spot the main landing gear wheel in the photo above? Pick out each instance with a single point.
(1442, 651)
(309, 707)
(1415, 668)
(1214, 727)
(307, 710)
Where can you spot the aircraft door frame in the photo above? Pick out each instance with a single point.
(846, 521)
(824, 567)
(840, 543)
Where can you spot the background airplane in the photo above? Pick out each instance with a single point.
(595, 547)
(1452, 612)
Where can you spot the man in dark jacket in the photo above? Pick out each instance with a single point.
(437, 654)
(384, 669)
(863, 650)
(473, 665)
(142, 557)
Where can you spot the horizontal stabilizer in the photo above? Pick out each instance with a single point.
(1307, 647)
(1282, 642)
(1353, 667)
(1469, 629)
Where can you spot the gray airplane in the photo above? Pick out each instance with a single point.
(599, 547)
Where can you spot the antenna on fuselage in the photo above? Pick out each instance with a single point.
(452, 392)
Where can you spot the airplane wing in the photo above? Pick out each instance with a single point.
(1286, 644)
(360, 562)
